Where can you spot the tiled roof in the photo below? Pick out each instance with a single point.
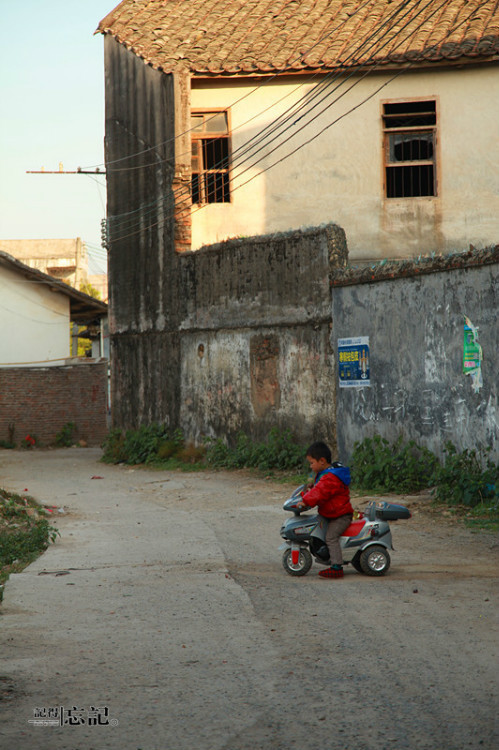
(270, 36)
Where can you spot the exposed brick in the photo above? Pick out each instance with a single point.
(40, 401)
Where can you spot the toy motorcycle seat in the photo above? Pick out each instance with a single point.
(355, 528)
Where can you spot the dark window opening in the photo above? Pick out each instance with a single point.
(409, 132)
(210, 182)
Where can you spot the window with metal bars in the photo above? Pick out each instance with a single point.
(210, 157)
(410, 139)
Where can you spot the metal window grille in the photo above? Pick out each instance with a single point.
(210, 157)
(409, 144)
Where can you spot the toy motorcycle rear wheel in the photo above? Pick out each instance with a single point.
(356, 563)
(302, 566)
(374, 561)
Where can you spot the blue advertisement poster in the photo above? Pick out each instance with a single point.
(353, 362)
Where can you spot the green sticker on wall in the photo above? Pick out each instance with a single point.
(472, 354)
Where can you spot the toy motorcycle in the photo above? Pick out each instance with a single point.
(364, 544)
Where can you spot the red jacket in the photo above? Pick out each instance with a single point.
(331, 496)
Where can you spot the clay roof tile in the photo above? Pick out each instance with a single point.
(227, 37)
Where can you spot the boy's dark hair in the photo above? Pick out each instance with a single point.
(319, 450)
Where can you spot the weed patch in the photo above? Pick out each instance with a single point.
(156, 445)
(280, 452)
(25, 533)
(469, 478)
(467, 481)
(66, 436)
(398, 467)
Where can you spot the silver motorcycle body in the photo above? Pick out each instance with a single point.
(364, 544)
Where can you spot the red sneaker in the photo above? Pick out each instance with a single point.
(331, 573)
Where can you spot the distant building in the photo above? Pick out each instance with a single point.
(66, 260)
(42, 388)
(35, 315)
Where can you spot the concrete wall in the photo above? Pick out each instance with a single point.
(40, 401)
(339, 175)
(34, 321)
(414, 317)
(235, 336)
(143, 294)
(231, 337)
(254, 338)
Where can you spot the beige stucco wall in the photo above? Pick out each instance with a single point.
(338, 176)
(34, 322)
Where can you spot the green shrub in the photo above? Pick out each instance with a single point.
(144, 445)
(469, 478)
(24, 533)
(156, 444)
(113, 447)
(400, 467)
(279, 452)
(65, 437)
(25, 544)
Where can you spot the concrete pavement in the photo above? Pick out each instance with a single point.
(132, 610)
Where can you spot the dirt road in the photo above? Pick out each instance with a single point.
(163, 620)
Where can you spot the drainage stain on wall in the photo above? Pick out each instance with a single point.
(265, 388)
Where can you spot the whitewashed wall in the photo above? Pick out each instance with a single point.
(339, 176)
(34, 322)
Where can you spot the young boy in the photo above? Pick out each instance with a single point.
(332, 496)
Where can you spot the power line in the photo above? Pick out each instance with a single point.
(280, 122)
(237, 101)
(334, 74)
(186, 192)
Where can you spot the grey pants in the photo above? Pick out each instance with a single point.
(335, 528)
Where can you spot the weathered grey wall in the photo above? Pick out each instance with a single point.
(237, 336)
(143, 289)
(232, 337)
(254, 337)
(415, 321)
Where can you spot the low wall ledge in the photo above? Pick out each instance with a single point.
(262, 239)
(389, 269)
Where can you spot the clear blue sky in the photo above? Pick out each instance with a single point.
(52, 110)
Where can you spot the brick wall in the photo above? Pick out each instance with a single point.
(40, 401)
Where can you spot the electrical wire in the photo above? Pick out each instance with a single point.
(37, 320)
(144, 214)
(266, 81)
(295, 107)
(334, 75)
(291, 112)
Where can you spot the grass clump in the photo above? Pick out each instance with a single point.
(153, 444)
(398, 467)
(469, 478)
(279, 452)
(466, 481)
(146, 445)
(157, 445)
(65, 438)
(25, 533)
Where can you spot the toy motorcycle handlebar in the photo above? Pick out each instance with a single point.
(292, 502)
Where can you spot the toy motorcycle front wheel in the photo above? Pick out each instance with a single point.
(303, 565)
(374, 561)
